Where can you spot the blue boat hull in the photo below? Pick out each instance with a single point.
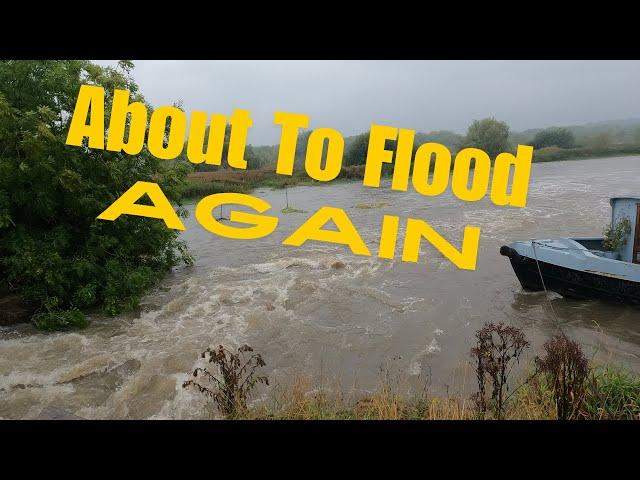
(571, 283)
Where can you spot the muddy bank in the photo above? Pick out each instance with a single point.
(13, 310)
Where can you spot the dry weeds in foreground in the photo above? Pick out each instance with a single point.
(300, 401)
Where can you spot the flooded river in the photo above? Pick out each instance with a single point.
(320, 311)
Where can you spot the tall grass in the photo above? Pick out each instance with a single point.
(299, 401)
(614, 394)
(537, 392)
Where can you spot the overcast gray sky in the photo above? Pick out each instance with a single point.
(421, 95)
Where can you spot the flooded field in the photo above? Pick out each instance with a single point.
(318, 310)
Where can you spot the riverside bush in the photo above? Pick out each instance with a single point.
(53, 251)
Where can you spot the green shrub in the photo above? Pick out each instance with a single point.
(615, 235)
(53, 251)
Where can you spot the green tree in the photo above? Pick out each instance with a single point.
(263, 156)
(489, 135)
(602, 140)
(301, 150)
(356, 152)
(451, 140)
(53, 251)
(251, 154)
(207, 167)
(554, 137)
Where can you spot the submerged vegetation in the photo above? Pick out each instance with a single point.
(561, 384)
(370, 206)
(287, 210)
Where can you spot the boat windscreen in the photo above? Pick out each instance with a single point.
(590, 243)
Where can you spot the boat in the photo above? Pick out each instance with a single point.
(581, 267)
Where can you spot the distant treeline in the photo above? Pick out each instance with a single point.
(555, 143)
(552, 154)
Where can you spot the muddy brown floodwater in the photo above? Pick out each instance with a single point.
(320, 311)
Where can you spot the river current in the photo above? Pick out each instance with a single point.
(321, 312)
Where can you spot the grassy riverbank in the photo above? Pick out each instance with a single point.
(201, 184)
(611, 393)
(560, 382)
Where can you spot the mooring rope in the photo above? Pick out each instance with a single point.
(546, 291)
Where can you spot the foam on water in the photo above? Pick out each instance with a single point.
(319, 307)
